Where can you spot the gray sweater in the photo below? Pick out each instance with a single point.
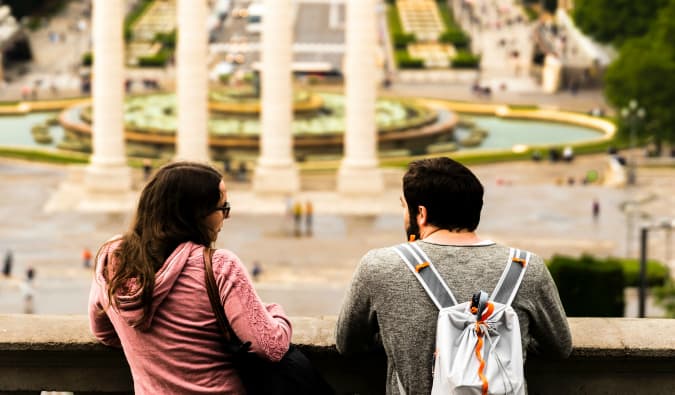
(385, 297)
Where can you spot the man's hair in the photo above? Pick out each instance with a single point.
(171, 210)
(451, 193)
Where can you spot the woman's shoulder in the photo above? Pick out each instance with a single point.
(108, 247)
(111, 244)
(226, 263)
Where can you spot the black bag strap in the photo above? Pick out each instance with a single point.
(512, 276)
(214, 298)
(423, 269)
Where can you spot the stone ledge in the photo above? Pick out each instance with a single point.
(596, 337)
(611, 355)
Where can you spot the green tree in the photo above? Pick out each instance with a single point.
(645, 71)
(614, 21)
(21, 8)
(549, 5)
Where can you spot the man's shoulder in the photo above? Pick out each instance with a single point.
(381, 252)
(379, 256)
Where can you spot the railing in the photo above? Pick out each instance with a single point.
(611, 356)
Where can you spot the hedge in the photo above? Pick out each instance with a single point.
(589, 287)
(158, 60)
(38, 155)
(87, 59)
(665, 296)
(401, 40)
(465, 60)
(455, 37)
(393, 20)
(168, 40)
(404, 61)
(657, 273)
(447, 16)
(133, 16)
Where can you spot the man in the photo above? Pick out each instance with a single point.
(7, 265)
(442, 201)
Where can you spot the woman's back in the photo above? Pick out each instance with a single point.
(179, 347)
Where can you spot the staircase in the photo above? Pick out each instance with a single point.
(160, 17)
(421, 17)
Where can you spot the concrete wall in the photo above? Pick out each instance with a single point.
(611, 356)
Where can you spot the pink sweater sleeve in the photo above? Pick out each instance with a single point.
(264, 325)
(99, 323)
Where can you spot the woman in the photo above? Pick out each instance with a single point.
(149, 293)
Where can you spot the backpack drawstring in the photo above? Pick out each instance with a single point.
(482, 322)
(483, 328)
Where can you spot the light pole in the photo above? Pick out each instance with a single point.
(632, 114)
(666, 225)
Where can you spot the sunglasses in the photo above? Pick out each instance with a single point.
(225, 208)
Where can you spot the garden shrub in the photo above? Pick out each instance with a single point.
(465, 60)
(401, 40)
(132, 16)
(157, 60)
(455, 37)
(657, 273)
(168, 40)
(87, 59)
(665, 296)
(404, 61)
(589, 287)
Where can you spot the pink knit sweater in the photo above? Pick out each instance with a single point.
(180, 350)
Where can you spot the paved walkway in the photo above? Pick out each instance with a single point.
(524, 206)
(582, 101)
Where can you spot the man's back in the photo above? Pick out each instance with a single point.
(386, 297)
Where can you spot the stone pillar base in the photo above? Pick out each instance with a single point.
(360, 181)
(94, 189)
(107, 178)
(107, 189)
(277, 180)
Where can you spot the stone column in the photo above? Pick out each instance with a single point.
(276, 171)
(550, 79)
(108, 171)
(192, 81)
(334, 15)
(359, 173)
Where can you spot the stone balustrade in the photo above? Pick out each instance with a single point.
(611, 356)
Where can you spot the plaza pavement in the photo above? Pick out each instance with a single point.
(524, 206)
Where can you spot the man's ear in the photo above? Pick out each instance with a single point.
(421, 216)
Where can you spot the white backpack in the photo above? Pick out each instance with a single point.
(478, 344)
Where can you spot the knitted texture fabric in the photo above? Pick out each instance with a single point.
(181, 350)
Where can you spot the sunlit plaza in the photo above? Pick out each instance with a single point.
(322, 104)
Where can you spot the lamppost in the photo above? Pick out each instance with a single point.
(633, 114)
(666, 225)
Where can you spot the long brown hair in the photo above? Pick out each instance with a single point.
(171, 210)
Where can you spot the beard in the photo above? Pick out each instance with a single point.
(413, 230)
